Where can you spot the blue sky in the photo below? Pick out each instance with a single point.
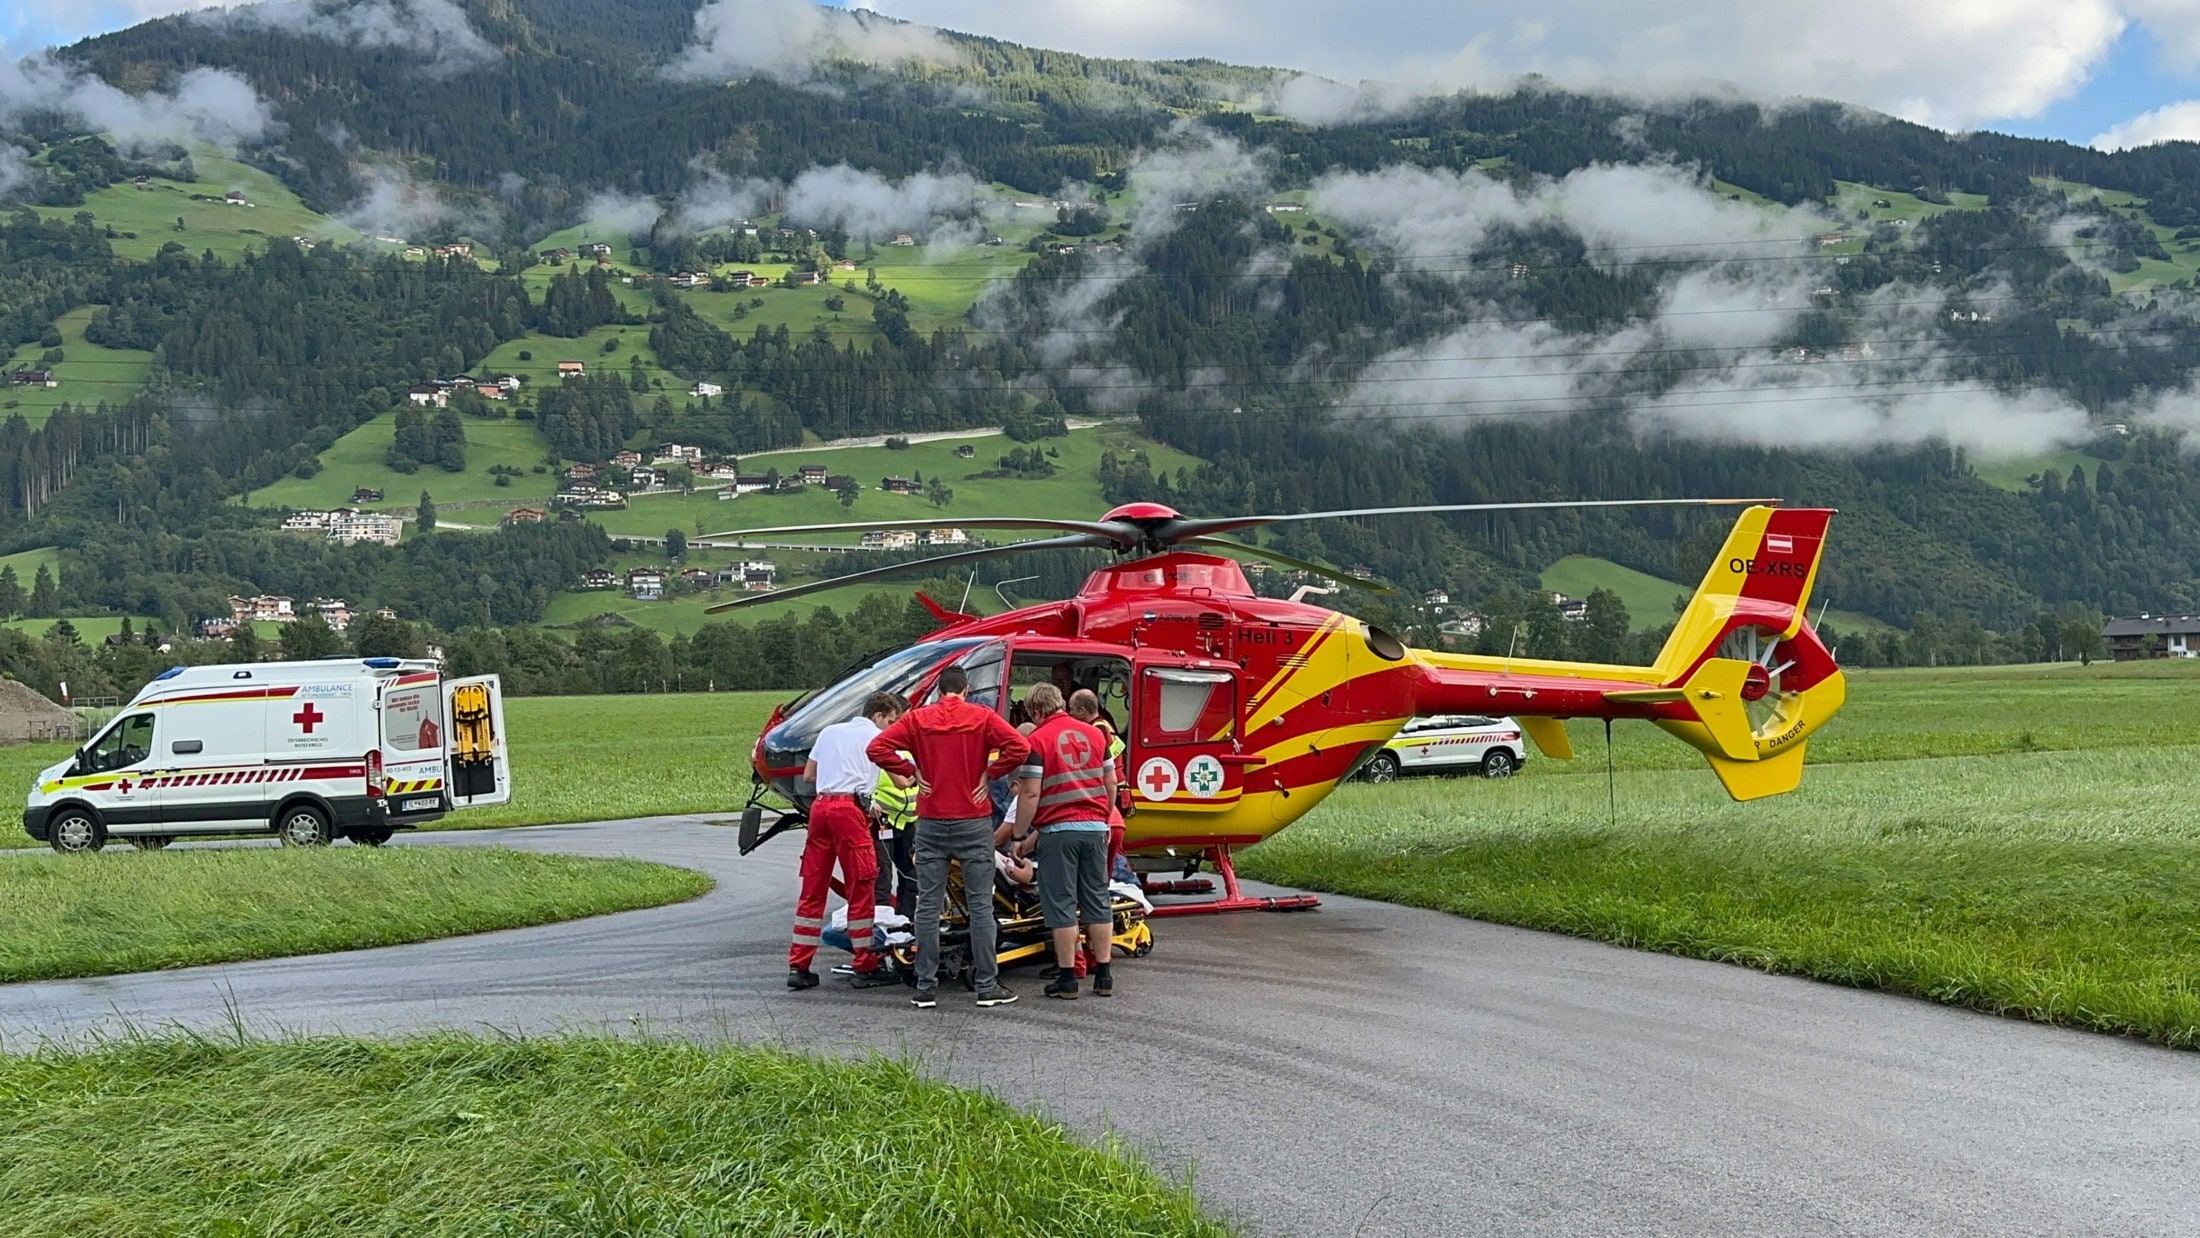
(2070, 69)
(2132, 80)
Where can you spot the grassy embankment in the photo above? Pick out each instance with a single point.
(2011, 840)
(454, 1135)
(122, 911)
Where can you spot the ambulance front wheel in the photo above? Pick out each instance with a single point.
(303, 825)
(75, 830)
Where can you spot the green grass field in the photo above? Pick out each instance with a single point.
(27, 562)
(89, 628)
(455, 1135)
(122, 911)
(1649, 599)
(90, 374)
(209, 223)
(2010, 839)
(360, 459)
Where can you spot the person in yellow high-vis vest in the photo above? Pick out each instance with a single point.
(894, 812)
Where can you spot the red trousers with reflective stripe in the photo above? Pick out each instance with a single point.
(839, 833)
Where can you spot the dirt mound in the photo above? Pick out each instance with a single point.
(27, 715)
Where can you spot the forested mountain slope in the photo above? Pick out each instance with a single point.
(881, 230)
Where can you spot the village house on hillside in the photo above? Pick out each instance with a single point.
(266, 608)
(647, 584)
(889, 539)
(599, 578)
(813, 474)
(2153, 636)
(572, 369)
(366, 494)
(898, 485)
(523, 515)
(348, 526)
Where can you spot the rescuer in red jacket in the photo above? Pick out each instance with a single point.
(958, 748)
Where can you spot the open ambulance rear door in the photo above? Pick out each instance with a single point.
(480, 769)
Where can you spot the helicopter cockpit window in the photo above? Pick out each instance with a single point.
(1182, 706)
(898, 671)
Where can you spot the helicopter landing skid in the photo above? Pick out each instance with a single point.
(1233, 899)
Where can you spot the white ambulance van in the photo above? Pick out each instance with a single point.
(309, 751)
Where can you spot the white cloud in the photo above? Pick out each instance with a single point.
(393, 204)
(2178, 122)
(15, 170)
(207, 105)
(870, 206)
(631, 214)
(1957, 64)
(789, 39)
(436, 29)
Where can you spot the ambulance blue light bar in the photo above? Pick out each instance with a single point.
(170, 673)
(380, 664)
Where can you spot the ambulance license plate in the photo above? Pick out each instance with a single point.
(420, 805)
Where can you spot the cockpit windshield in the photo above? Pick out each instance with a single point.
(897, 671)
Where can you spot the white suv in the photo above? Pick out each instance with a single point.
(1450, 744)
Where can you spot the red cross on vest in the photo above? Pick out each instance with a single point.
(1074, 749)
(307, 716)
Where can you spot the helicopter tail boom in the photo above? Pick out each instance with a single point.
(1743, 678)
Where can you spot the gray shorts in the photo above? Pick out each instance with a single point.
(1073, 877)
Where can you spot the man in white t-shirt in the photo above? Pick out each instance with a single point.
(840, 832)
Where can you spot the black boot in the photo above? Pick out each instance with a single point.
(799, 978)
(1103, 980)
(1064, 984)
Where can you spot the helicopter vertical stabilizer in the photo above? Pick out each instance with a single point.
(1743, 678)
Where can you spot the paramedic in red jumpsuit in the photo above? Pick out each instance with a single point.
(840, 831)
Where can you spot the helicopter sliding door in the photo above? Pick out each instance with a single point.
(1184, 734)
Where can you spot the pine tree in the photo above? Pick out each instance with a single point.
(424, 518)
(42, 601)
(11, 593)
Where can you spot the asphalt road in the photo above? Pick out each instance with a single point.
(1362, 1069)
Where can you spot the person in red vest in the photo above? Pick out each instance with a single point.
(959, 748)
(1065, 791)
(840, 830)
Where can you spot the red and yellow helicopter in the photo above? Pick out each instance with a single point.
(1242, 712)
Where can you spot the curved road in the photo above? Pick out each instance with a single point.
(1363, 1069)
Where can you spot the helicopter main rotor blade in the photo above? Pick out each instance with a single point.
(1074, 541)
(1179, 530)
(1292, 561)
(1114, 533)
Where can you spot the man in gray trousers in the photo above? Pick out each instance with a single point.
(959, 749)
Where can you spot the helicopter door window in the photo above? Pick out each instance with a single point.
(986, 666)
(1187, 706)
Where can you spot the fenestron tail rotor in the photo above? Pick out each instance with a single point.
(1762, 696)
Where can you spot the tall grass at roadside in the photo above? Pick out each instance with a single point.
(454, 1135)
(122, 911)
(2062, 886)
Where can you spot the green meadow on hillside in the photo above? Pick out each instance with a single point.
(208, 222)
(90, 374)
(359, 459)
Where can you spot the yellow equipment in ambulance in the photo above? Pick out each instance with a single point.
(354, 748)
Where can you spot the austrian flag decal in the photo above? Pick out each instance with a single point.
(1779, 543)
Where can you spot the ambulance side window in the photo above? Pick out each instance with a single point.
(125, 744)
